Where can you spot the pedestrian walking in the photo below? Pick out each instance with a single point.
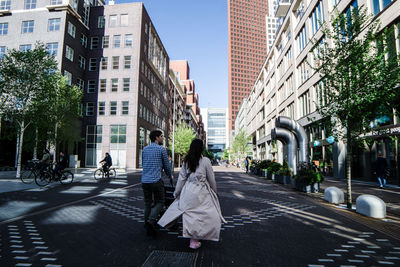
(154, 161)
(381, 168)
(196, 199)
(246, 164)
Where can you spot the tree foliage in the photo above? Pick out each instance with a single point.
(184, 136)
(240, 145)
(357, 80)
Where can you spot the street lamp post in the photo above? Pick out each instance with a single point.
(173, 132)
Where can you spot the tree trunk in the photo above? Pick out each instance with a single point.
(36, 143)
(348, 169)
(54, 146)
(16, 151)
(21, 138)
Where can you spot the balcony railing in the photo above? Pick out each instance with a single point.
(283, 8)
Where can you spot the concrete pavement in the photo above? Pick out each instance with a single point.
(94, 223)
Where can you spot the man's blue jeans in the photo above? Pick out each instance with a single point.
(157, 191)
(382, 180)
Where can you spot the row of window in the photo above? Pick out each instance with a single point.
(150, 117)
(152, 98)
(105, 41)
(113, 108)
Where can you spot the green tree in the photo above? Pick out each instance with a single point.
(25, 82)
(184, 136)
(240, 145)
(355, 77)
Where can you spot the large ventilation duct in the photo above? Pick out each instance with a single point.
(289, 139)
(288, 123)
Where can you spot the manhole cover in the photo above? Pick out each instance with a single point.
(170, 259)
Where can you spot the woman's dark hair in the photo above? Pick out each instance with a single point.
(192, 158)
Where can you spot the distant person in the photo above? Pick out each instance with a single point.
(246, 164)
(154, 160)
(107, 163)
(196, 199)
(45, 161)
(61, 164)
(381, 168)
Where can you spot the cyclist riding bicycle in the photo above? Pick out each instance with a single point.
(61, 164)
(107, 163)
(45, 161)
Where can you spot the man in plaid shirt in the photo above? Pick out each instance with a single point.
(154, 160)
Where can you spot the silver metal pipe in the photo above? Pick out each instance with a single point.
(287, 137)
(292, 125)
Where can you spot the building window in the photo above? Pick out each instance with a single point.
(94, 43)
(106, 41)
(125, 107)
(126, 84)
(102, 108)
(82, 62)
(69, 53)
(30, 4)
(81, 84)
(114, 85)
(379, 5)
(74, 4)
(68, 76)
(54, 25)
(100, 22)
(71, 29)
(27, 26)
(118, 134)
(93, 64)
(56, 2)
(305, 104)
(25, 47)
(4, 28)
(117, 41)
(302, 38)
(83, 40)
(124, 20)
(128, 40)
(115, 63)
(52, 48)
(5, 4)
(113, 108)
(127, 62)
(3, 50)
(103, 85)
(91, 86)
(113, 20)
(104, 63)
(317, 17)
(89, 109)
(86, 13)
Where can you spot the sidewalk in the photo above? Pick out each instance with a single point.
(390, 194)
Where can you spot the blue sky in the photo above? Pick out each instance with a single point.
(195, 30)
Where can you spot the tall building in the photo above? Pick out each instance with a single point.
(247, 49)
(288, 86)
(114, 55)
(272, 23)
(217, 129)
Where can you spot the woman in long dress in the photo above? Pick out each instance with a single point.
(196, 199)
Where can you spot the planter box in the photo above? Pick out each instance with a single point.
(307, 188)
(263, 173)
(279, 179)
(269, 175)
(273, 176)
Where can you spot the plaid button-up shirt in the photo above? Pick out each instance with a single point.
(154, 159)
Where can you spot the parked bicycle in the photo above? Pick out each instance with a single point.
(101, 174)
(28, 175)
(49, 175)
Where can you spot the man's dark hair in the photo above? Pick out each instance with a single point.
(107, 153)
(154, 134)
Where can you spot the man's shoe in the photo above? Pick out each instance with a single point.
(150, 231)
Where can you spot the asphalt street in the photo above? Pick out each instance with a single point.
(100, 223)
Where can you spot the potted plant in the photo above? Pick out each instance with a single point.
(284, 174)
(273, 169)
(308, 178)
(263, 165)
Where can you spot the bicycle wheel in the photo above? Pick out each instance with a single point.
(98, 174)
(112, 173)
(67, 177)
(27, 177)
(43, 179)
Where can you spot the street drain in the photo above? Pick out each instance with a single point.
(170, 259)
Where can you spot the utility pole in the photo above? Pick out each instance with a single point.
(173, 131)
